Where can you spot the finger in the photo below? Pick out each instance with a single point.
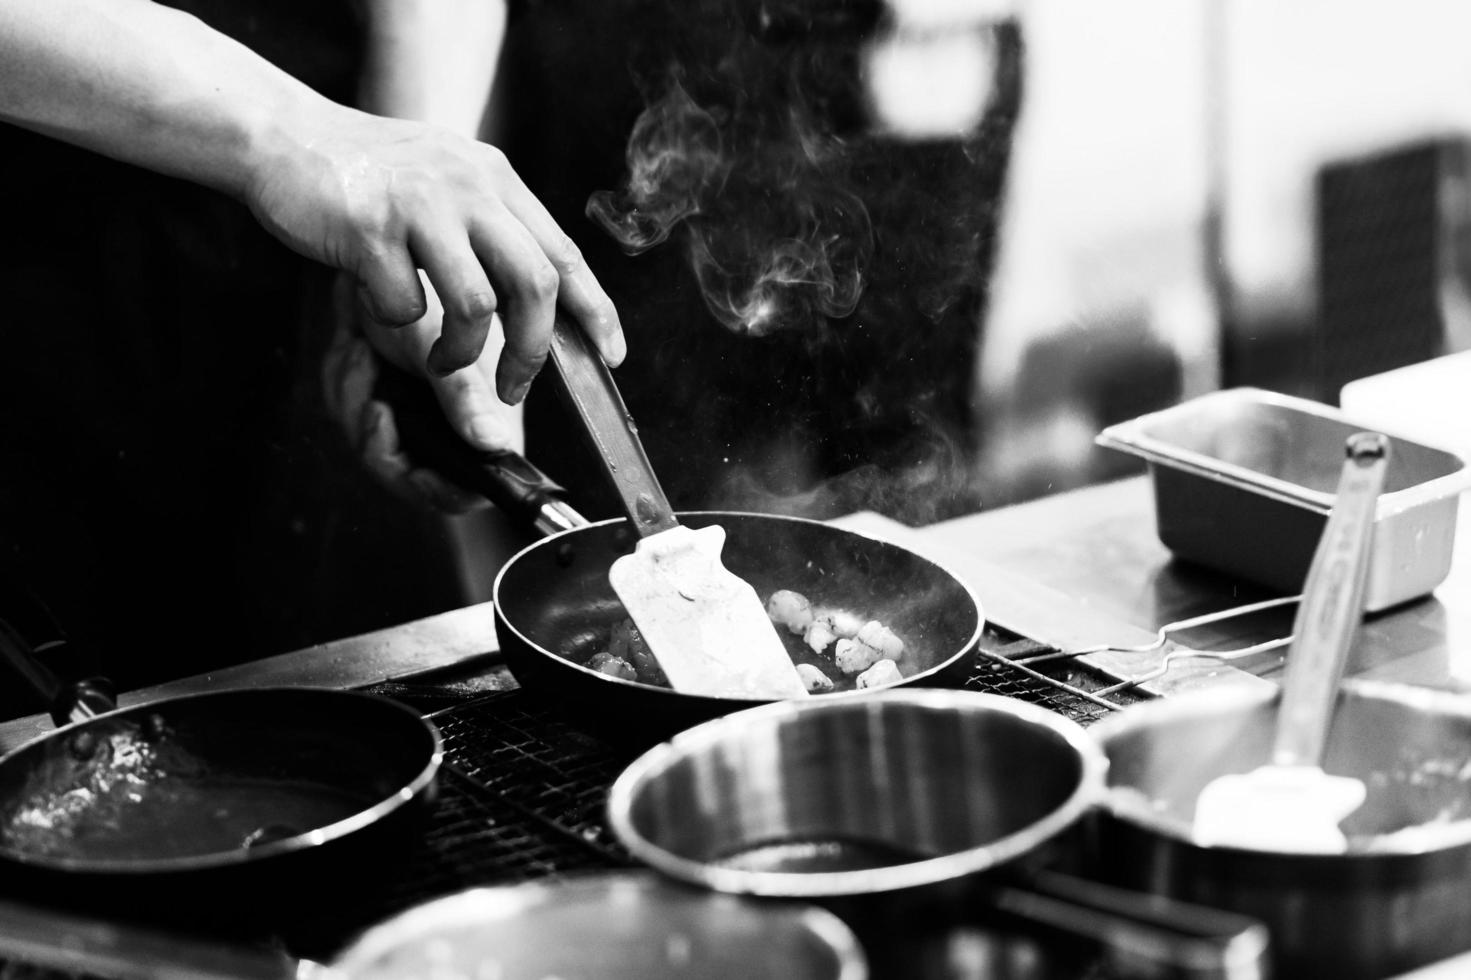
(391, 289)
(529, 286)
(355, 381)
(579, 292)
(333, 370)
(464, 291)
(380, 450)
(407, 346)
(384, 457)
(475, 412)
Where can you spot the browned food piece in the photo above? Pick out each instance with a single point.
(814, 678)
(606, 663)
(580, 647)
(627, 643)
(819, 635)
(881, 674)
(843, 623)
(789, 609)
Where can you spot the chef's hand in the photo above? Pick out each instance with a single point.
(383, 198)
(379, 198)
(360, 343)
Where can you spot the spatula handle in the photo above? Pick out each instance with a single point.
(1332, 606)
(587, 385)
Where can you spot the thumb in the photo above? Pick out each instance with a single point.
(476, 413)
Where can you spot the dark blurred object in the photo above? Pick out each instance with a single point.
(1392, 238)
(33, 647)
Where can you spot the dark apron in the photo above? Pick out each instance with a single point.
(167, 479)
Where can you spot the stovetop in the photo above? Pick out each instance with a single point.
(523, 788)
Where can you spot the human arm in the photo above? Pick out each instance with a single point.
(432, 61)
(378, 198)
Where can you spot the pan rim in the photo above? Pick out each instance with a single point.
(916, 678)
(123, 867)
(643, 887)
(1000, 852)
(1443, 840)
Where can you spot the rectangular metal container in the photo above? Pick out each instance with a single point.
(1244, 480)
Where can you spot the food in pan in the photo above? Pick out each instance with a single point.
(127, 792)
(790, 609)
(834, 648)
(882, 673)
(816, 680)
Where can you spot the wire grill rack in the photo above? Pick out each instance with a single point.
(523, 788)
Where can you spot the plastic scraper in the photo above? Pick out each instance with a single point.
(705, 625)
(1291, 804)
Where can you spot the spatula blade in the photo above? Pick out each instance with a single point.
(705, 625)
(1295, 809)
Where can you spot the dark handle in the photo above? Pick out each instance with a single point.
(65, 701)
(507, 479)
(1150, 935)
(78, 943)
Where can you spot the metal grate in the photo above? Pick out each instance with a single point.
(1066, 686)
(524, 788)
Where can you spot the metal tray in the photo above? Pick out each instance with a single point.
(1244, 480)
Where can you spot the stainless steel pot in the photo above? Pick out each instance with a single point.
(1400, 896)
(907, 813)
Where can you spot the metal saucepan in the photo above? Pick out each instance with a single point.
(553, 596)
(1398, 898)
(229, 809)
(910, 814)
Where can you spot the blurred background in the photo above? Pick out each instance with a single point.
(1212, 193)
(1200, 194)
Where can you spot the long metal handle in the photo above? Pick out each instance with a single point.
(587, 385)
(1332, 606)
(1154, 936)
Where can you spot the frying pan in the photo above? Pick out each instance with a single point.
(232, 810)
(551, 594)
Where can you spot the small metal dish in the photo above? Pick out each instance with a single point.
(1244, 480)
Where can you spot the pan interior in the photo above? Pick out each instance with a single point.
(1409, 748)
(848, 797)
(195, 778)
(557, 593)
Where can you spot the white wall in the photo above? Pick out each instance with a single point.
(1114, 150)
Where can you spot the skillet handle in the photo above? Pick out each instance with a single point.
(1147, 935)
(507, 479)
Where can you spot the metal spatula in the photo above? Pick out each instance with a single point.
(705, 625)
(1291, 804)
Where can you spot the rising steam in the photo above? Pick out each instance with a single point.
(673, 156)
(773, 236)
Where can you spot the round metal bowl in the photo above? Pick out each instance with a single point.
(619, 926)
(847, 797)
